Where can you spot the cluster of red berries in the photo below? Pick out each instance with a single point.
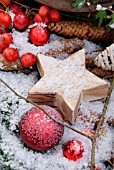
(46, 15)
(11, 54)
(38, 35)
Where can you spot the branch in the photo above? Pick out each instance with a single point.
(93, 139)
(27, 72)
(57, 121)
(25, 6)
(110, 163)
(100, 124)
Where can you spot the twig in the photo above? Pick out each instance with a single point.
(99, 125)
(93, 51)
(16, 69)
(109, 77)
(25, 6)
(58, 121)
(3, 4)
(93, 139)
(108, 9)
(110, 163)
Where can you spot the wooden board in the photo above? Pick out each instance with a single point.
(65, 5)
(66, 83)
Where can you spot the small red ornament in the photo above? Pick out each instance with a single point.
(7, 38)
(39, 35)
(28, 59)
(46, 20)
(21, 21)
(55, 15)
(73, 150)
(38, 131)
(10, 54)
(38, 18)
(16, 8)
(5, 19)
(44, 11)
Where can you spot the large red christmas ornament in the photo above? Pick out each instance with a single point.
(38, 131)
(73, 150)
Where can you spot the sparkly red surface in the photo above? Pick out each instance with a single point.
(38, 131)
(73, 150)
(39, 35)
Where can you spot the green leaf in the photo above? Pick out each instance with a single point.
(77, 3)
(101, 16)
(112, 20)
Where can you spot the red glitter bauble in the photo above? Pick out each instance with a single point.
(39, 35)
(38, 131)
(73, 150)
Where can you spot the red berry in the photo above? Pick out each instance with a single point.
(38, 18)
(2, 44)
(46, 20)
(98, 168)
(44, 11)
(38, 131)
(5, 2)
(21, 21)
(55, 15)
(7, 38)
(28, 60)
(3, 29)
(31, 22)
(5, 19)
(10, 54)
(39, 35)
(16, 8)
(73, 150)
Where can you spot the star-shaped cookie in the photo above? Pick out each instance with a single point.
(66, 83)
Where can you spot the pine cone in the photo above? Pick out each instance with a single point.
(9, 66)
(81, 30)
(101, 73)
(105, 59)
(65, 46)
(89, 62)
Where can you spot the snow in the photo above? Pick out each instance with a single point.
(21, 157)
(111, 25)
(99, 7)
(12, 108)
